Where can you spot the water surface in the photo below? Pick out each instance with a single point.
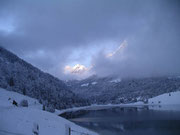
(128, 121)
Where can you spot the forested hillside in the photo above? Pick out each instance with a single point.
(104, 90)
(20, 76)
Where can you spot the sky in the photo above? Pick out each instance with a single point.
(74, 39)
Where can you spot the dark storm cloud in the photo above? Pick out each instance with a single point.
(152, 51)
(46, 32)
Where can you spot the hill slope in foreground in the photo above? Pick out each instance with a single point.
(20, 120)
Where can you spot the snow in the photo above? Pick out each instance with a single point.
(166, 99)
(6, 102)
(85, 85)
(21, 120)
(94, 83)
(138, 98)
(115, 80)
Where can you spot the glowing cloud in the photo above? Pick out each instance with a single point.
(118, 50)
(77, 69)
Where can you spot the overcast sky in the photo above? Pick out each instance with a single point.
(127, 38)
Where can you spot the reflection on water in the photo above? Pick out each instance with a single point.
(128, 121)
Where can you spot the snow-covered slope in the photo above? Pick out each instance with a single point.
(20, 120)
(7, 97)
(85, 85)
(167, 101)
(117, 80)
(172, 98)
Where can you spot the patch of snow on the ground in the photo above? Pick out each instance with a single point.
(138, 98)
(94, 83)
(115, 80)
(20, 120)
(85, 85)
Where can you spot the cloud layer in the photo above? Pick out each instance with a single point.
(54, 34)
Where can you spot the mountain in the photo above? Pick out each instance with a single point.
(20, 76)
(105, 90)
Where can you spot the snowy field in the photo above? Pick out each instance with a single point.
(167, 101)
(21, 120)
(172, 98)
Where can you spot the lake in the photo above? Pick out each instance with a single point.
(128, 120)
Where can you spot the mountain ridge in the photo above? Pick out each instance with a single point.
(22, 77)
(110, 89)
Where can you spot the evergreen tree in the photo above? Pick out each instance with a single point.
(11, 82)
(24, 91)
(43, 108)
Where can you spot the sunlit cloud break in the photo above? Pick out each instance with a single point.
(118, 50)
(76, 69)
